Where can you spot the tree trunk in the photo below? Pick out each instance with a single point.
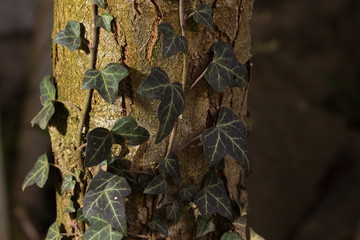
(136, 44)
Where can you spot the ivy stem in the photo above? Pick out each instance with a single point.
(196, 81)
(139, 236)
(86, 105)
(184, 75)
(62, 169)
(71, 105)
(191, 142)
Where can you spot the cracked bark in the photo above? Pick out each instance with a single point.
(136, 44)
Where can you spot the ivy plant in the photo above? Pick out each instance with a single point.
(105, 194)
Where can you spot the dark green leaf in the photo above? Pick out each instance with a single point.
(69, 36)
(173, 212)
(106, 196)
(188, 193)
(141, 183)
(80, 216)
(53, 232)
(100, 229)
(39, 174)
(204, 227)
(157, 225)
(228, 137)
(104, 21)
(213, 198)
(203, 15)
(98, 147)
(68, 184)
(106, 82)
(172, 42)
(44, 116)
(157, 185)
(231, 236)
(70, 208)
(47, 90)
(157, 86)
(225, 70)
(130, 131)
(170, 165)
(100, 3)
(47, 97)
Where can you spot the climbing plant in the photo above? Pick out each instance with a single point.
(101, 179)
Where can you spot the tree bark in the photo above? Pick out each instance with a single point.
(136, 44)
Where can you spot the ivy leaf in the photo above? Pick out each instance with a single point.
(98, 147)
(39, 174)
(188, 192)
(68, 184)
(104, 21)
(53, 232)
(170, 165)
(158, 225)
(47, 97)
(203, 15)
(204, 227)
(231, 236)
(100, 3)
(157, 86)
(213, 198)
(227, 137)
(69, 36)
(44, 116)
(70, 208)
(80, 215)
(106, 81)
(225, 70)
(172, 42)
(142, 182)
(106, 196)
(130, 131)
(173, 212)
(157, 185)
(100, 229)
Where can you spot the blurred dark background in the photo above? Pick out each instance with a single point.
(304, 107)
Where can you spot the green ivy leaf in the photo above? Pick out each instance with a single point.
(53, 232)
(213, 198)
(157, 86)
(47, 97)
(100, 3)
(203, 15)
(100, 229)
(227, 137)
(231, 236)
(106, 82)
(68, 184)
(130, 131)
(173, 212)
(158, 225)
(188, 192)
(80, 216)
(98, 147)
(106, 196)
(170, 165)
(104, 21)
(172, 42)
(69, 36)
(70, 208)
(157, 185)
(225, 70)
(204, 227)
(141, 183)
(39, 174)
(44, 116)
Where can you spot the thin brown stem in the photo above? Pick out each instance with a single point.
(191, 142)
(196, 81)
(71, 105)
(172, 138)
(80, 148)
(138, 236)
(62, 169)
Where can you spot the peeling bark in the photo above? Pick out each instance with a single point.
(136, 44)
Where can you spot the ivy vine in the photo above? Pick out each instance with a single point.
(104, 200)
